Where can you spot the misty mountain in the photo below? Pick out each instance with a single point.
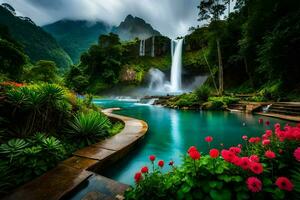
(135, 27)
(76, 36)
(38, 44)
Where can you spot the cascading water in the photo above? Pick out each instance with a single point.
(176, 66)
(142, 48)
(153, 47)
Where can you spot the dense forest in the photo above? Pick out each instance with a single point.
(256, 44)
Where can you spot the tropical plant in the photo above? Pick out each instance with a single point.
(24, 159)
(203, 92)
(87, 128)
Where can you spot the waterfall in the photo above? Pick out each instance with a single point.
(172, 48)
(176, 65)
(142, 47)
(153, 46)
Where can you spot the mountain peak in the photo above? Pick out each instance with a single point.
(133, 27)
(9, 8)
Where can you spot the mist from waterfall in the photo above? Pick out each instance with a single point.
(176, 66)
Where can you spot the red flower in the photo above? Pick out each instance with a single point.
(144, 169)
(160, 163)
(254, 158)
(254, 139)
(270, 154)
(268, 133)
(227, 155)
(260, 120)
(214, 153)
(192, 148)
(195, 155)
(280, 151)
(297, 154)
(256, 168)
(171, 163)
(239, 146)
(138, 176)
(266, 142)
(235, 150)
(267, 123)
(208, 139)
(244, 163)
(254, 184)
(152, 158)
(284, 183)
(277, 125)
(244, 137)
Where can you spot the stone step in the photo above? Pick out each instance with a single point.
(52, 185)
(281, 111)
(285, 108)
(98, 187)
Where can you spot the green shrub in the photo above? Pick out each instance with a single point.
(88, 128)
(34, 108)
(272, 91)
(203, 92)
(116, 128)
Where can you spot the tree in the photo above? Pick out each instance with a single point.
(45, 71)
(212, 10)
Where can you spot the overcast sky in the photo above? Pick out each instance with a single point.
(170, 17)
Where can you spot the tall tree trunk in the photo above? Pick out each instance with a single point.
(221, 88)
(247, 71)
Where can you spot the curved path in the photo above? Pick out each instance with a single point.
(63, 179)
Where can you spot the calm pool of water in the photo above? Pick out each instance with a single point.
(171, 132)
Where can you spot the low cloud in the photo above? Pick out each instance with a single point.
(170, 17)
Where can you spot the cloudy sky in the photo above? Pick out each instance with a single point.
(170, 17)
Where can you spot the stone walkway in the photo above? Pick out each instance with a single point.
(280, 116)
(60, 181)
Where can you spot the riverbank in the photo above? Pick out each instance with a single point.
(84, 164)
(283, 110)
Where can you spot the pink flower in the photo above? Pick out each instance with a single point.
(266, 142)
(254, 184)
(297, 154)
(280, 151)
(171, 163)
(284, 183)
(239, 146)
(160, 163)
(152, 158)
(195, 155)
(209, 139)
(270, 154)
(254, 158)
(214, 153)
(256, 168)
(138, 176)
(144, 169)
(244, 137)
(260, 120)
